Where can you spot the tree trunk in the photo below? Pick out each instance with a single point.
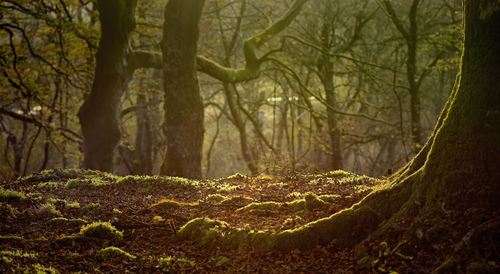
(99, 114)
(183, 124)
(144, 140)
(326, 74)
(246, 149)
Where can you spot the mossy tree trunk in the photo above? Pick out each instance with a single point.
(99, 114)
(183, 123)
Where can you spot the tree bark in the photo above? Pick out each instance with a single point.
(99, 114)
(183, 123)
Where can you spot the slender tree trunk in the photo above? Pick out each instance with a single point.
(326, 74)
(246, 149)
(144, 141)
(183, 124)
(99, 114)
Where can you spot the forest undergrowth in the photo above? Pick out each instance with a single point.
(76, 220)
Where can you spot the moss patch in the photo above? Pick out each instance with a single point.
(215, 198)
(260, 206)
(236, 201)
(48, 210)
(112, 252)
(60, 221)
(7, 195)
(101, 230)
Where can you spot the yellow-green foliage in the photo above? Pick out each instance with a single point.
(8, 209)
(67, 222)
(7, 195)
(112, 252)
(101, 230)
(215, 198)
(260, 206)
(48, 210)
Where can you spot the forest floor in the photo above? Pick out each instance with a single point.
(64, 221)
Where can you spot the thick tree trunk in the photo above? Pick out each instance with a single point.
(183, 124)
(99, 114)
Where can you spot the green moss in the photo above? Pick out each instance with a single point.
(296, 205)
(75, 183)
(197, 229)
(17, 253)
(237, 176)
(215, 198)
(7, 209)
(101, 230)
(295, 194)
(91, 208)
(171, 263)
(47, 185)
(236, 201)
(60, 221)
(312, 201)
(227, 187)
(148, 184)
(71, 204)
(260, 206)
(167, 205)
(329, 197)
(48, 210)
(112, 252)
(222, 261)
(292, 220)
(34, 268)
(10, 239)
(340, 174)
(8, 195)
